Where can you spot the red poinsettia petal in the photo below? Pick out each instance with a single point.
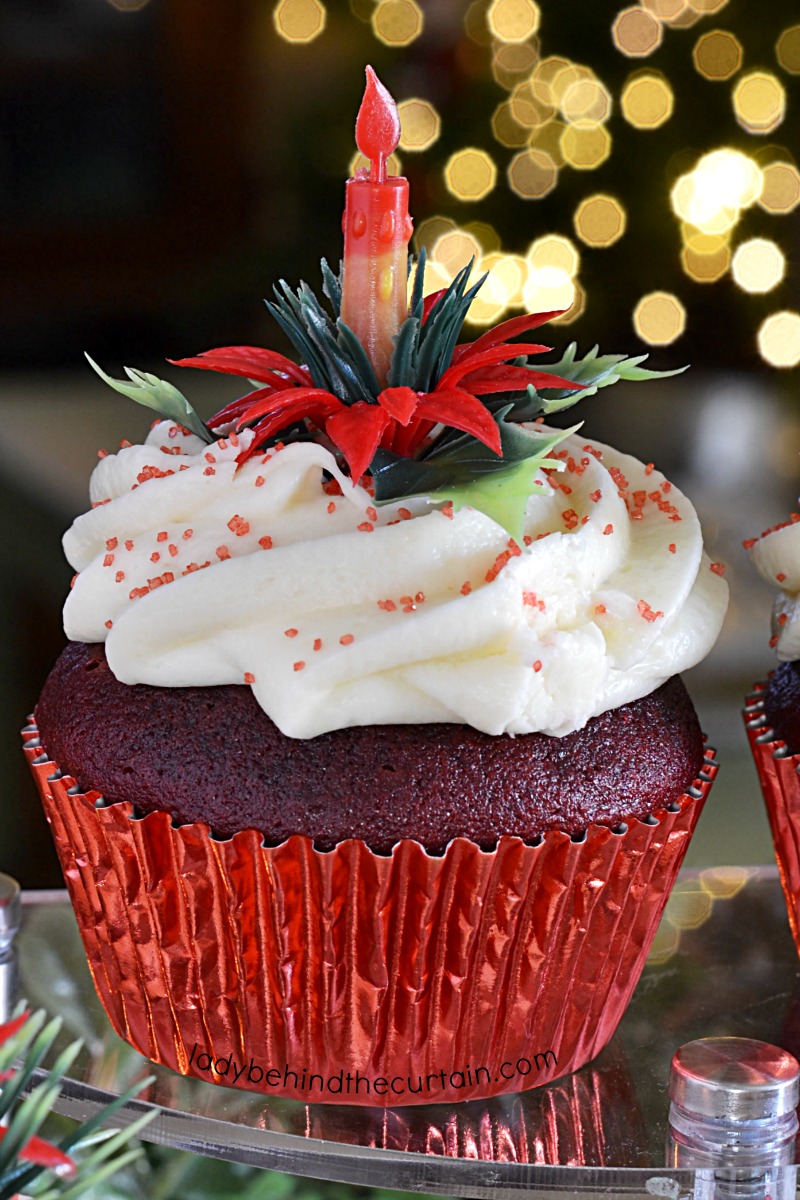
(357, 431)
(399, 403)
(252, 362)
(505, 330)
(513, 379)
(274, 422)
(234, 410)
(429, 301)
(405, 439)
(461, 410)
(471, 362)
(39, 1152)
(11, 1027)
(289, 398)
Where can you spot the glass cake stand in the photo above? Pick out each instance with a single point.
(723, 963)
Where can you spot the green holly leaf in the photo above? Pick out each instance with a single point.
(464, 471)
(158, 395)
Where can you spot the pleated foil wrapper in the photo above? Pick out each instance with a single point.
(780, 784)
(357, 978)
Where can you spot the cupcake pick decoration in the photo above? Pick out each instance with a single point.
(384, 381)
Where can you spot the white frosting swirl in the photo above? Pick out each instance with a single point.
(339, 614)
(776, 557)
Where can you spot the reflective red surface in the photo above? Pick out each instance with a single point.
(355, 978)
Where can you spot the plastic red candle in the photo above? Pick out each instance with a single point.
(377, 229)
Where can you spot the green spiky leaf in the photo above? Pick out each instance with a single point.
(158, 395)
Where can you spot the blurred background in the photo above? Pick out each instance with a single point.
(163, 164)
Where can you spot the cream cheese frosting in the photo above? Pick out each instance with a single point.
(776, 557)
(340, 613)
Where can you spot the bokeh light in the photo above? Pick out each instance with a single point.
(475, 25)
(485, 235)
(758, 265)
(781, 191)
(636, 32)
(490, 302)
(513, 20)
(420, 124)
(527, 108)
(507, 129)
(430, 229)
(454, 249)
(718, 54)
(554, 250)
(600, 220)
(397, 22)
(299, 21)
(511, 270)
(759, 102)
(647, 100)
(586, 102)
(575, 309)
(358, 162)
(659, 318)
(712, 196)
(547, 138)
(470, 174)
(787, 50)
(705, 257)
(705, 8)
(585, 148)
(779, 339)
(532, 174)
(545, 74)
(666, 10)
(547, 289)
(513, 62)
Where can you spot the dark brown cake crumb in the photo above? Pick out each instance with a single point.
(782, 704)
(211, 754)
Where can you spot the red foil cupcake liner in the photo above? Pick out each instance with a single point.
(357, 978)
(780, 784)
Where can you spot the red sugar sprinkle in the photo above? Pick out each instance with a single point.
(782, 619)
(102, 454)
(187, 533)
(223, 553)
(317, 643)
(290, 633)
(447, 510)
(406, 600)
(259, 480)
(419, 598)
(365, 527)
(209, 471)
(748, 543)
(234, 441)
(595, 496)
(249, 678)
(619, 479)
(111, 544)
(649, 469)
(152, 473)
(155, 556)
(265, 543)
(108, 560)
(331, 488)
(109, 624)
(646, 611)
(173, 549)
(128, 544)
(570, 518)
(137, 592)
(773, 641)
(781, 578)
(672, 548)
(331, 506)
(209, 457)
(600, 609)
(718, 568)
(593, 450)
(162, 536)
(125, 444)
(528, 540)
(120, 575)
(405, 513)
(223, 445)
(666, 486)
(466, 588)
(298, 666)
(537, 666)
(238, 526)
(346, 639)
(155, 582)
(167, 577)
(608, 529)
(387, 605)
(372, 513)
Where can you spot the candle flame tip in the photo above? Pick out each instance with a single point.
(377, 125)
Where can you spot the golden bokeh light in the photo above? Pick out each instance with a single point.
(475, 25)
(532, 174)
(514, 61)
(545, 73)
(575, 309)
(358, 163)
(787, 50)
(556, 251)
(647, 100)
(585, 148)
(759, 102)
(397, 22)
(512, 272)
(600, 220)
(706, 266)
(513, 20)
(507, 129)
(666, 10)
(437, 276)
(470, 174)
(564, 77)
(704, 8)
(527, 108)
(454, 249)
(690, 907)
(779, 339)
(586, 102)
(429, 230)
(720, 186)
(420, 124)
(491, 301)
(758, 265)
(547, 138)
(636, 32)
(718, 54)
(781, 191)
(659, 318)
(547, 289)
(723, 883)
(485, 235)
(299, 20)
